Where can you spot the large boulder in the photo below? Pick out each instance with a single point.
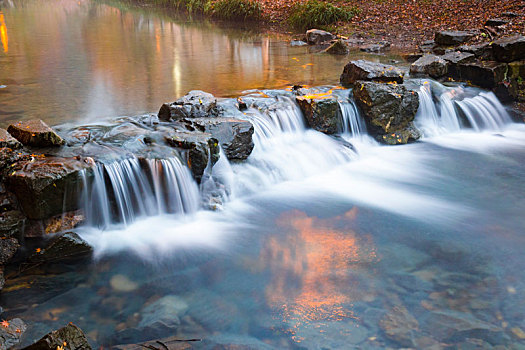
(370, 71)
(6, 140)
(11, 223)
(199, 147)
(485, 74)
(448, 38)
(234, 135)
(340, 47)
(429, 65)
(69, 337)
(317, 36)
(389, 110)
(35, 133)
(10, 333)
(67, 246)
(322, 112)
(195, 104)
(47, 186)
(509, 49)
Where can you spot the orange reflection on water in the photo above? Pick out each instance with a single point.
(312, 268)
(3, 33)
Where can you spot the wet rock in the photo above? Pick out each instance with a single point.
(171, 343)
(317, 36)
(456, 57)
(162, 316)
(6, 140)
(195, 104)
(35, 133)
(69, 337)
(10, 333)
(8, 157)
(234, 135)
(429, 65)
(457, 326)
(509, 49)
(225, 341)
(496, 22)
(481, 51)
(400, 326)
(379, 47)
(485, 74)
(47, 186)
(388, 109)
(8, 248)
(298, 43)
(67, 246)
(370, 71)
(199, 147)
(338, 48)
(322, 112)
(452, 37)
(63, 222)
(11, 223)
(427, 46)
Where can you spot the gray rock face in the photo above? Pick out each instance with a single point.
(234, 135)
(317, 36)
(46, 186)
(429, 65)
(456, 57)
(509, 49)
(199, 147)
(379, 47)
(69, 337)
(195, 104)
(339, 47)
(66, 246)
(389, 110)
(485, 74)
(6, 140)
(35, 133)
(370, 71)
(452, 37)
(481, 51)
(322, 112)
(10, 335)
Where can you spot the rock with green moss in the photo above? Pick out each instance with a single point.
(389, 110)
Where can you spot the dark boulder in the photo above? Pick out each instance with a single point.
(195, 104)
(427, 46)
(47, 186)
(6, 140)
(429, 65)
(322, 112)
(516, 74)
(10, 333)
(69, 337)
(448, 38)
(485, 74)
(35, 133)
(370, 71)
(496, 22)
(379, 47)
(8, 157)
(481, 51)
(509, 49)
(66, 246)
(317, 36)
(456, 57)
(8, 248)
(389, 110)
(234, 135)
(11, 223)
(198, 147)
(340, 47)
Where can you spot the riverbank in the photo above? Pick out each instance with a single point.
(403, 24)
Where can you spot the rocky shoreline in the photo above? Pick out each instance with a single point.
(43, 171)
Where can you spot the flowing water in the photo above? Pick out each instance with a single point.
(320, 242)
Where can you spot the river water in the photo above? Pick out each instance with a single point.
(318, 245)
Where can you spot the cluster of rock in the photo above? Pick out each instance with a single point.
(327, 42)
(389, 106)
(497, 65)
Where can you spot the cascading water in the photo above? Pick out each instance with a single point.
(124, 190)
(352, 121)
(445, 110)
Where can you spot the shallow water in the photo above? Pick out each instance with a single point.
(318, 246)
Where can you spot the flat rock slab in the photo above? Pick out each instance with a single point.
(6, 140)
(370, 71)
(509, 49)
(496, 22)
(452, 37)
(35, 133)
(69, 337)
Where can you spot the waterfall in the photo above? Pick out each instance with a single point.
(352, 121)
(124, 190)
(444, 110)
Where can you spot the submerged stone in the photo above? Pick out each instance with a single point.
(400, 326)
(35, 133)
(11, 332)
(370, 71)
(69, 337)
